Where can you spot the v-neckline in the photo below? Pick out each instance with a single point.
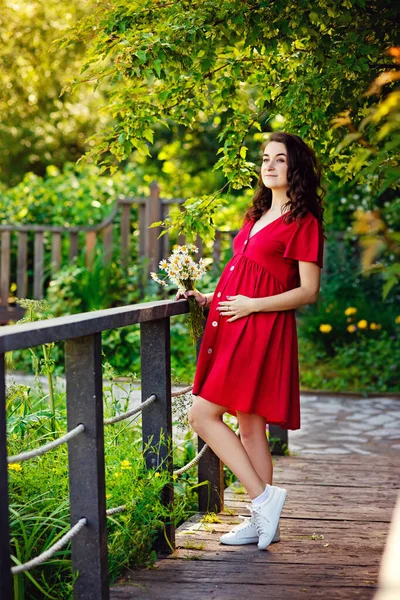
(262, 228)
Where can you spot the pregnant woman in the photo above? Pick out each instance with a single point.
(248, 361)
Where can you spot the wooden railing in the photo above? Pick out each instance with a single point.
(84, 402)
(30, 273)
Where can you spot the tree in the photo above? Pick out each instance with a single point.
(244, 61)
(37, 127)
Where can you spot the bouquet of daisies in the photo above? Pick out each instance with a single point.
(183, 271)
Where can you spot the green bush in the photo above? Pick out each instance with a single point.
(38, 492)
(366, 364)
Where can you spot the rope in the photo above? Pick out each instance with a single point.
(181, 392)
(130, 413)
(192, 462)
(46, 447)
(52, 550)
(114, 511)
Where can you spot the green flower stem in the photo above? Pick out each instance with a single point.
(195, 320)
(46, 353)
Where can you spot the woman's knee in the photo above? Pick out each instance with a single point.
(200, 412)
(196, 415)
(252, 428)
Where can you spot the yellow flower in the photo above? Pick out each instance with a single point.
(174, 476)
(125, 465)
(157, 474)
(350, 311)
(397, 319)
(117, 474)
(373, 326)
(363, 324)
(351, 328)
(108, 496)
(325, 328)
(15, 467)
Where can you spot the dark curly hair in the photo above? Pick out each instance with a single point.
(304, 180)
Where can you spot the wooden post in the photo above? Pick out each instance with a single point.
(107, 243)
(276, 432)
(216, 253)
(22, 269)
(5, 562)
(86, 466)
(90, 248)
(164, 240)
(211, 469)
(5, 267)
(125, 233)
(142, 229)
(157, 417)
(55, 252)
(38, 270)
(199, 244)
(152, 215)
(73, 245)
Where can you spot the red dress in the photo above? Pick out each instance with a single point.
(251, 365)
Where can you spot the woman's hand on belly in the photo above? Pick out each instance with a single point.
(236, 307)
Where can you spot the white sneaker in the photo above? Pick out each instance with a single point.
(266, 515)
(245, 533)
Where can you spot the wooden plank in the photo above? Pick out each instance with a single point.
(199, 244)
(5, 562)
(73, 245)
(157, 418)
(152, 247)
(22, 266)
(125, 233)
(86, 467)
(38, 266)
(107, 243)
(90, 247)
(10, 313)
(216, 253)
(27, 335)
(5, 268)
(227, 591)
(55, 252)
(332, 537)
(164, 240)
(142, 230)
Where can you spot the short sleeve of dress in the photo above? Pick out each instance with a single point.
(306, 243)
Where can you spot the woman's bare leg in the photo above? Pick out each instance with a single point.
(206, 419)
(253, 437)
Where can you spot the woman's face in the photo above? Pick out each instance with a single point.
(274, 166)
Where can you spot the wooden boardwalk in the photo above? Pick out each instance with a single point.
(333, 530)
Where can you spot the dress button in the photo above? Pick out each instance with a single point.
(232, 268)
(209, 350)
(214, 323)
(219, 295)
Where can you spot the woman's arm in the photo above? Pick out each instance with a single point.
(307, 293)
(201, 299)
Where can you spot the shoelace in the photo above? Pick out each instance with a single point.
(258, 519)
